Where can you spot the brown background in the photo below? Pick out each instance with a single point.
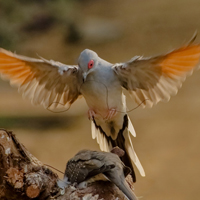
(168, 135)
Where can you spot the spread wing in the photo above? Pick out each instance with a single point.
(157, 78)
(44, 82)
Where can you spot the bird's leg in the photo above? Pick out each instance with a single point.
(111, 113)
(91, 114)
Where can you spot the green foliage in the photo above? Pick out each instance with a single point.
(21, 16)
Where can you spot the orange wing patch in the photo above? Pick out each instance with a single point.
(181, 61)
(40, 80)
(15, 69)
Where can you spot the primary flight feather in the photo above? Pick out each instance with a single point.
(52, 84)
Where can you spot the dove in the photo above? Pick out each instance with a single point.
(88, 166)
(102, 84)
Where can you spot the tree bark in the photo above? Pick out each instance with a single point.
(24, 177)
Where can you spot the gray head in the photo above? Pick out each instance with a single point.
(87, 61)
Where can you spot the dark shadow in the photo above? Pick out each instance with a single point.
(42, 123)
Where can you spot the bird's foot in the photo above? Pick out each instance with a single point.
(91, 114)
(111, 113)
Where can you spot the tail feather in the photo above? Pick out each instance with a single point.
(126, 190)
(119, 180)
(123, 141)
(132, 154)
(104, 144)
(94, 130)
(126, 159)
(130, 128)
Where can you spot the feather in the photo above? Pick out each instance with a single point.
(133, 156)
(151, 77)
(42, 81)
(130, 128)
(93, 129)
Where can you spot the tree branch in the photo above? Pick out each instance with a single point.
(24, 177)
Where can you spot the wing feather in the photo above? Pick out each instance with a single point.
(42, 81)
(158, 78)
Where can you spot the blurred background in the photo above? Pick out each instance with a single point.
(168, 135)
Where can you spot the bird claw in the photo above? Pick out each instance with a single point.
(91, 114)
(111, 113)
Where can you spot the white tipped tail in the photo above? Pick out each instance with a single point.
(106, 145)
(131, 152)
(131, 128)
(101, 139)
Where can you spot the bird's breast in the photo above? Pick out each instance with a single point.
(95, 94)
(102, 93)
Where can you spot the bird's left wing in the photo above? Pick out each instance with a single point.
(49, 83)
(157, 78)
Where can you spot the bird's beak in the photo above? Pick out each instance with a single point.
(84, 76)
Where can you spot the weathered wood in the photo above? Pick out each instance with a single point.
(24, 177)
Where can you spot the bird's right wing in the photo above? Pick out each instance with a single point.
(49, 83)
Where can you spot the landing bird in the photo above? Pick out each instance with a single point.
(101, 83)
(86, 164)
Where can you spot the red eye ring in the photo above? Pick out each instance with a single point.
(90, 64)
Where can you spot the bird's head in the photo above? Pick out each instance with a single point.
(88, 60)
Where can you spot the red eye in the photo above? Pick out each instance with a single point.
(90, 64)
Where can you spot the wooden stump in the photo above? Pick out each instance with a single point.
(24, 177)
